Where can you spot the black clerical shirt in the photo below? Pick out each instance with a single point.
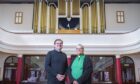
(55, 63)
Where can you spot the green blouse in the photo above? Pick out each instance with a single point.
(77, 66)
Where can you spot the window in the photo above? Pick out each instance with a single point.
(128, 70)
(18, 17)
(33, 70)
(10, 69)
(103, 69)
(120, 16)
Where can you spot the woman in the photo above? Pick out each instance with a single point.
(80, 69)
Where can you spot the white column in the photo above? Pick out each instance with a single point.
(47, 19)
(39, 15)
(81, 19)
(56, 28)
(90, 30)
(48, 29)
(98, 16)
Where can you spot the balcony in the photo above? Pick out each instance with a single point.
(94, 43)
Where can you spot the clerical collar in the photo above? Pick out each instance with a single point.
(80, 55)
(57, 50)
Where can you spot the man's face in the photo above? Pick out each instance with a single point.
(79, 51)
(58, 45)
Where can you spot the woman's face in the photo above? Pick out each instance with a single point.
(79, 51)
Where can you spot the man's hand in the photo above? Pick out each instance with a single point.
(75, 82)
(60, 77)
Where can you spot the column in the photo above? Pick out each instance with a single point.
(39, 15)
(19, 69)
(69, 61)
(98, 16)
(118, 69)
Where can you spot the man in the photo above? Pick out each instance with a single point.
(56, 64)
(80, 69)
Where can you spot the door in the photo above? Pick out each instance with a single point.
(128, 71)
(10, 75)
(10, 68)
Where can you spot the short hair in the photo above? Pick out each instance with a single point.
(58, 40)
(80, 46)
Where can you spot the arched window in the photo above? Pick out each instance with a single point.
(128, 70)
(10, 66)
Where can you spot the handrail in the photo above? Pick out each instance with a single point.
(126, 32)
(14, 32)
(133, 30)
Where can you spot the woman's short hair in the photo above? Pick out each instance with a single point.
(80, 46)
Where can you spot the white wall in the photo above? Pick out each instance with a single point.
(3, 56)
(7, 17)
(132, 17)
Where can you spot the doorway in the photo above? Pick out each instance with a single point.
(128, 70)
(10, 68)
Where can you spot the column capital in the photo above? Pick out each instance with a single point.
(19, 55)
(68, 56)
(118, 56)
